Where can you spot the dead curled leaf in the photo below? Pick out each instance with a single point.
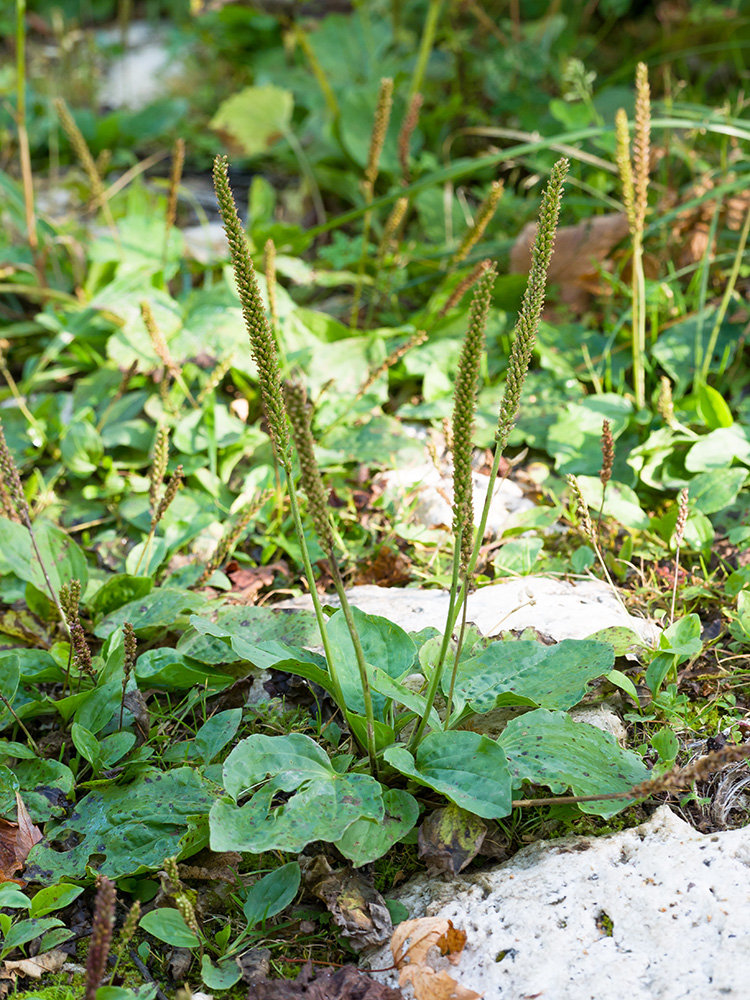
(579, 252)
(411, 944)
(35, 968)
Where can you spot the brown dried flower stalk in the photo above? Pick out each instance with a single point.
(410, 122)
(101, 936)
(463, 287)
(300, 416)
(130, 645)
(605, 473)
(175, 176)
(393, 358)
(377, 138)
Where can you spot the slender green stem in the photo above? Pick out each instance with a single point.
(454, 671)
(425, 46)
(728, 292)
(320, 617)
(23, 135)
(361, 664)
(437, 672)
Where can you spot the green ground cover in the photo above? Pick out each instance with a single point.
(189, 435)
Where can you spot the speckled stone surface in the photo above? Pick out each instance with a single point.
(657, 911)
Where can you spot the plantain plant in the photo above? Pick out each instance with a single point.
(404, 696)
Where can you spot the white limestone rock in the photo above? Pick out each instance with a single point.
(138, 76)
(432, 488)
(657, 911)
(556, 608)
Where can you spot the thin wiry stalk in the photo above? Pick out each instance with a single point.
(523, 345)
(588, 528)
(377, 141)
(312, 485)
(605, 473)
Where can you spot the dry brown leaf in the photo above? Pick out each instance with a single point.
(431, 985)
(35, 968)
(579, 250)
(247, 583)
(411, 944)
(16, 840)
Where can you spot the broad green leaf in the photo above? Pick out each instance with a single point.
(10, 675)
(367, 840)
(168, 669)
(169, 925)
(46, 786)
(256, 117)
(119, 590)
(384, 734)
(403, 695)
(220, 976)
(719, 449)
(133, 827)
(271, 894)
(713, 491)
(216, 732)
(675, 348)
(86, 744)
(620, 501)
(54, 897)
(12, 898)
(383, 643)
(154, 612)
(115, 746)
(9, 785)
(469, 769)
(82, 448)
(254, 625)
(25, 931)
(63, 560)
(549, 748)
(530, 673)
(713, 408)
(574, 438)
(683, 637)
(325, 803)
(517, 557)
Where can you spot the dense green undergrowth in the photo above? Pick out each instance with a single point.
(151, 475)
